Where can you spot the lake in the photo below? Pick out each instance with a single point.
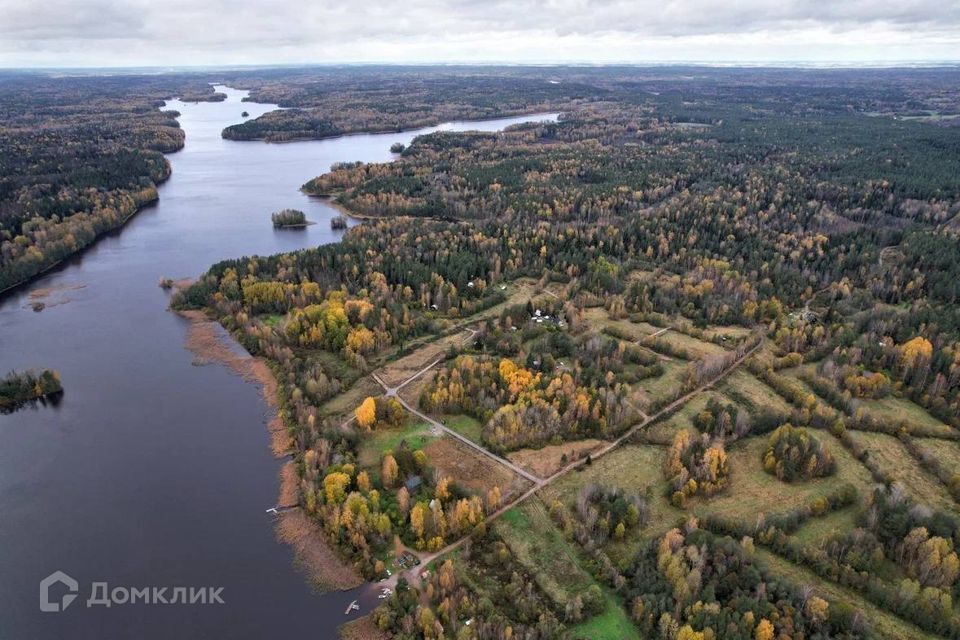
(150, 471)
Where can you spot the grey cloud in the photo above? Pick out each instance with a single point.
(243, 30)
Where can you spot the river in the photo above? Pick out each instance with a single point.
(151, 471)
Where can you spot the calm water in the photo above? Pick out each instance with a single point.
(151, 471)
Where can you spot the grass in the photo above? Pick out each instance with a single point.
(612, 624)
(903, 410)
(663, 431)
(472, 470)
(893, 458)
(346, 402)
(731, 332)
(694, 347)
(883, 623)
(662, 386)
(752, 490)
(744, 387)
(815, 531)
(540, 547)
(374, 445)
(890, 409)
(947, 452)
(631, 467)
(547, 460)
(467, 426)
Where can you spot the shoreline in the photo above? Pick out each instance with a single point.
(325, 568)
(10, 290)
(377, 132)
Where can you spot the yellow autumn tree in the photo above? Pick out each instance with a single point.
(764, 630)
(388, 471)
(367, 413)
(335, 487)
(914, 350)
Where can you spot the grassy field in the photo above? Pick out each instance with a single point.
(374, 445)
(752, 490)
(662, 386)
(946, 451)
(598, 318)
(815, 531)
(663, 431)
(540, 547)
(888, 409)
(893, 458)
(612, 624)
(548, 460)
(467, 426)
(631, 467)
(884, 624)
(731, 332)
(903, 410)
(472, 470)
(695, 348)
(743, 386)
(401, 369)
(345, 403)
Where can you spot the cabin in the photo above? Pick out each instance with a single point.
(413, 483)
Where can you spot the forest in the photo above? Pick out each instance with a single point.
(683, 364)
(78, 157)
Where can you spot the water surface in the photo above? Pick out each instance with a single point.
(151, 471)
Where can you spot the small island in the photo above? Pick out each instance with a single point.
(338, 222)
(397, 147)
(289, 219)
(18, 388)
(244, 115)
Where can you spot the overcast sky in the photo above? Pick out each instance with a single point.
(222, 32)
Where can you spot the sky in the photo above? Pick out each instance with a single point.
(97, 33)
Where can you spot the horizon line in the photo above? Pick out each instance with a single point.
(730, 64)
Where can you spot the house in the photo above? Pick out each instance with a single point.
(413, 483)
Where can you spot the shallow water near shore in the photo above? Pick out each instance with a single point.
(152, 471)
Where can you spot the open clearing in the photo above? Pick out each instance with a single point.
(893, 458)
(903, 410)
(472, 470)
(544, 462)
(540, 547)
(467, 426)
(411, 392)
(947, 452)
(417, 434)
(744, 387)
(343, 404)
(663, 386)
(400, 370)
(631, 467)
(612, 624)
(694, 347)
(815, 531)
(753, 491)
(885, 625)
(663, 431)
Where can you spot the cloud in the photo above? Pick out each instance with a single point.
(142, 32)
